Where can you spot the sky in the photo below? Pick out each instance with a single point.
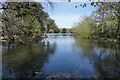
(65, 14)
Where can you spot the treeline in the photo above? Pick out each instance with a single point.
(59, 30)
(102, 23)
(25, 21)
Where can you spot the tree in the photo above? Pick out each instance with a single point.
(64, 30)
(26, 21)
(49, 23)
(56, 30)
(51, 26)
(105, 21)
(113, 7)
(83, 29)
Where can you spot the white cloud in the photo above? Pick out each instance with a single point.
(66, 20)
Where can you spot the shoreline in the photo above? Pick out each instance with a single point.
(106, 39)
(5, 40)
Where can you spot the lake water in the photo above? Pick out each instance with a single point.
(63, 57)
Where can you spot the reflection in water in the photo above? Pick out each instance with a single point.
(66, 55)
(25, 61)
(103, 55)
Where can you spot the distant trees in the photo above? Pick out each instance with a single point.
(64, 30)
(56, 30)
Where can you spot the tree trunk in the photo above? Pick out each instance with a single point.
(118, 27)
(118, 21)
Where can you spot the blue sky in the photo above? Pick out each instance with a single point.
(65, 13)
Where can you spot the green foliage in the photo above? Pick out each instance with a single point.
(56, 30)
(23, 22)
(82, 29)
(51, 26)
(115, 41)
(64, 30)
(31, 27)
(92, 3)
(103, 23)
(107, 22)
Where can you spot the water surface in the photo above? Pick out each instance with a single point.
(64, 57)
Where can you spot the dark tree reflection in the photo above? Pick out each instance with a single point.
(104, 56)
(22, 61)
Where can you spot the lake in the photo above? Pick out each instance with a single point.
(63, 57)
